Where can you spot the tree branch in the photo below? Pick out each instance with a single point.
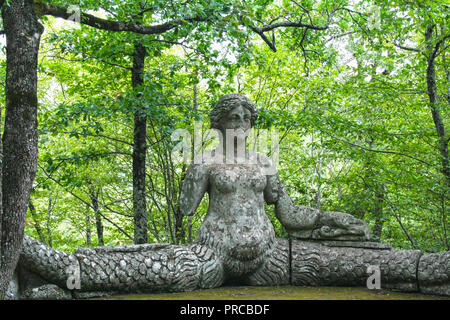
(264, 38)
(104, 136)
(90, 57)
(289, 24)
(406, 48)
(436, 47)
(110, 25)
(384, 151)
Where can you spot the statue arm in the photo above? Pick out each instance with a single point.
(194, 186)
(299, 221)
(305, 222)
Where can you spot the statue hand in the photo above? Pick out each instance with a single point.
(342, 226)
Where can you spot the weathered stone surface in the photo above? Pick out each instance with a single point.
(314, 264)
(47, 292)
(355, 244)
(434, 273)
(236, 226)
(36, 258)
(275, 269)
(127, 248)
(309, 223)
(93, 294)
(154, 269)
(12, 293)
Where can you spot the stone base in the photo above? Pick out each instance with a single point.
(122, 249)
(346, 263)
(355, 244)
(12, 293)
(171, 268)
(46, 292)
(93, 294)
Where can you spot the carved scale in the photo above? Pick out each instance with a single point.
(172, 268)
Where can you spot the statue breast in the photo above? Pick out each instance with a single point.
(238, 178)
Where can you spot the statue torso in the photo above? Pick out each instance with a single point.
(236, 225)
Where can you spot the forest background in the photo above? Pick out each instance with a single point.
(358, 91)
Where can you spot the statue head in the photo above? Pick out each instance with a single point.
(226, 104)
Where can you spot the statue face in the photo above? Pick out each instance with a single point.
(237, 118)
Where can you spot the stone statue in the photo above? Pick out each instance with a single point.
(236, 243)
(236, 226)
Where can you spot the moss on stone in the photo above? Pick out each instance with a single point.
(282, 293)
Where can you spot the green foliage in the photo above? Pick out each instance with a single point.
(350, 105)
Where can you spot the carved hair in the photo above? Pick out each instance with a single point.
(227, 103)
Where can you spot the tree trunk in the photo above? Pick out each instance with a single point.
(447, 76)
(36, 223)
(434, 105)
(139, 151)
(51, 204)
(98, 219)
(195, 107)
(179, 227)
(20, 138)
(378, 211)
(88, 226)
(173, 188)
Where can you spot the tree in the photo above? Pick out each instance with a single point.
(23, 32)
